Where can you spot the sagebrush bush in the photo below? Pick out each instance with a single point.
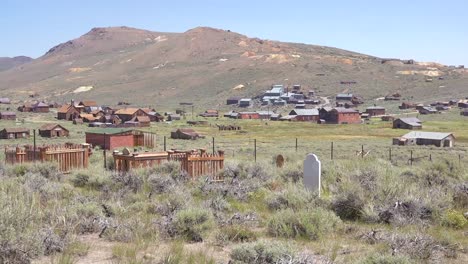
(454, 219)
(263, 252)
(21, 221)
(171, 168)
(460, 196)
(235, 233)
(309, 224)
(80, 180)
(192, 223)
(294, 174)
(160, 183)
(385, 259)
(294, 196)
(348, 206)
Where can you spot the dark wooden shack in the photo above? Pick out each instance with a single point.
(412, 123)
(185, 133)
(53, 130)
(14, 133)
(8, 115)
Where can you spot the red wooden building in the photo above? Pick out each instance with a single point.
(248, 115)
(113, 138)
(339, 116)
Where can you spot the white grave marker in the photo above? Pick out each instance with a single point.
(312, 173)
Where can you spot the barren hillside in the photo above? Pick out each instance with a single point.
(8, 63)
(203, 65)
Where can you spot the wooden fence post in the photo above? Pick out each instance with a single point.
(362, 151)
(255, 150)
(34, 144)
(296, 144)
(390, 154)
(105, 159)
(331, 151)
(164, 143)
(213, 145)
(411, 157)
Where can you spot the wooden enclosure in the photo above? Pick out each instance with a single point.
(68, 156)
(195, 163)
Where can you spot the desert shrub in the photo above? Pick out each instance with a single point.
(49, 170)
(348, 206)
(407, 212)
(385, 259)
(232, 170)
(175, 200)
(18, 170)
(130, 181)
(20, 224)
(218, 204)
(80, 180)
(262, 252)
(311, 224)
(160, 183)
(416, 246)
(258, 171)
(292, 175)
(192, 223)
(454, 219)
(460, 196)
(294, 196)
(235, 233)
(171, 168)
(52, 242)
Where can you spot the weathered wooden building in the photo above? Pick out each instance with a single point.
(14, 133)
(68, 112)
(53, 130)
(185, 133)
(375, 111)
(210, 113)
(309, 115)
(426, 110)
(407, 105)
(127, 114)
(344, 97)
(234, 100)
(412, 123)
(426, 138)
(339, 116)
(8, 115)
(248, 115)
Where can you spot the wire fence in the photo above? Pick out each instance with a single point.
(260, 149)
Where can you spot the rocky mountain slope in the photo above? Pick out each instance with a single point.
(205, 65)
(8, 63)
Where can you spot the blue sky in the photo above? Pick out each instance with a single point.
(422, 30)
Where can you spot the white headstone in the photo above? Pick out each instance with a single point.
(312, 173)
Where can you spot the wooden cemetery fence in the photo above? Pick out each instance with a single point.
(68, 156)
(195, 163)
